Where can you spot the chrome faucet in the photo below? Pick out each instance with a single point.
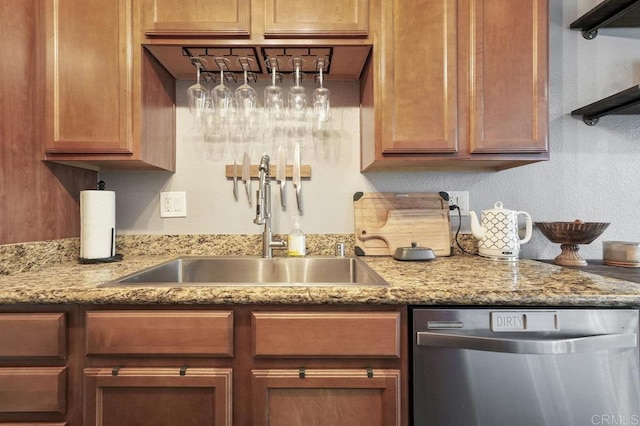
(263, 210)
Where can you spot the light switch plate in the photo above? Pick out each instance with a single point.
(173, 204)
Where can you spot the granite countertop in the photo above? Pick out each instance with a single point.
(456, 280)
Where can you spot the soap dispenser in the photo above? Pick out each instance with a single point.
(296, 242)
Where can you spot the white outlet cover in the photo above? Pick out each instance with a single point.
(173, 204)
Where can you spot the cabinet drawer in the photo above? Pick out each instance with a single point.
(33, 389)
(33, 335)
(34, 424)
(366, 334)
(184, 333)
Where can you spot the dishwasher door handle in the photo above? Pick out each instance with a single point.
(572, 345)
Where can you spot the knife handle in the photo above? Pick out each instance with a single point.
(283, 194)
(299, 197)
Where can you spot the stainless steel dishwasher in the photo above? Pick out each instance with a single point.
(532, 367)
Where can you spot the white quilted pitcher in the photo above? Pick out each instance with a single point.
(497, 232)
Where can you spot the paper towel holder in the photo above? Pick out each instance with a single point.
(113, 256)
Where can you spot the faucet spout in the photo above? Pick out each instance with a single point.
(263, 210)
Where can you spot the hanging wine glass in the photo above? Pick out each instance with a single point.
(273, 94)
(246, 96)
(197, 94)
(321, 98)
(297, 93)
(221, 96)
(274, 104)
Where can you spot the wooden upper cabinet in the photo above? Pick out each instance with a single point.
(330, 18)
(88, 85)
(418, 86)
(202, 18)
(456, 85)
(109, 104)
(508, 65)
(267, 18)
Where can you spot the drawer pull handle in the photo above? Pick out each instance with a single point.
(183, 370)
(302, 373)
(115, 370)
(370, 372)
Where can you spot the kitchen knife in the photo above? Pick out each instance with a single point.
(296, 175)
(235, 180)
(281, 174)
(246, 175)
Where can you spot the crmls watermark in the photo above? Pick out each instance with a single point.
(615, 419)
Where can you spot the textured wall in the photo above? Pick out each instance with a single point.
(593, 172)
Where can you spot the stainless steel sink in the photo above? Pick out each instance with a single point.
(254, 271)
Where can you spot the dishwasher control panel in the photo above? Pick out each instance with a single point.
(524, 321)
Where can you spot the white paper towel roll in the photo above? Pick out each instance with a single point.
(97, 224)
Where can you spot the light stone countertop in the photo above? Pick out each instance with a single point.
(456, 280)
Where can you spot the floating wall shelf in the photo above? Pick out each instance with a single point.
(626, 102)
(608, 14)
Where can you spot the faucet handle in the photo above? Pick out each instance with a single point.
(339, 249)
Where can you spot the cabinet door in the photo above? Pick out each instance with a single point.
(326, 397)
(88, 82)
(202, 18)
(312, 18)
(418, 83)
(157, 396)
(507, 64)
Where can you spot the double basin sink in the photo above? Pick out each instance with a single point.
(254, 271)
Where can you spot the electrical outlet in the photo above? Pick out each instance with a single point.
(173, 204)
(460, 199)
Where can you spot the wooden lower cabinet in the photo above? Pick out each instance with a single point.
(36, 374)
(188, 365)
(326, 397)
(157, 396)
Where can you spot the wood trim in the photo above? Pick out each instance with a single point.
(326, 334)
(33, 389)
(33, 335)
(160, 333)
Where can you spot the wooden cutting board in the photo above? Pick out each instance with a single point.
(385, 221)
